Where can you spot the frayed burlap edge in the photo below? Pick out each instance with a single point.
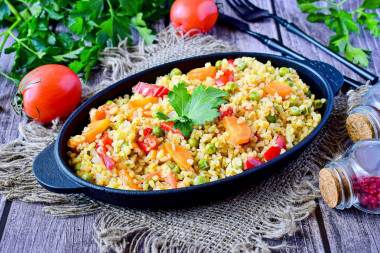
(240, 223)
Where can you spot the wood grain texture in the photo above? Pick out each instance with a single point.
(322, 34)
(28, 229)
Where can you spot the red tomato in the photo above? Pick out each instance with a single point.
(186, 15)
(48, 92)
(272, 153)
(252, 162)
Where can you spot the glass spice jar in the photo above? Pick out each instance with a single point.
(364, 121)
(355, 180)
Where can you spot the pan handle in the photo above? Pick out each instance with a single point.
(49, 175)
(330, 73)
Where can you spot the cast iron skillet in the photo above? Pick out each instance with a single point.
(53, 172)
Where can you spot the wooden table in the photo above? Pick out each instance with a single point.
(25, 228)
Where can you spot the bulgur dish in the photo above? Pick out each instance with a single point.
(188, 129)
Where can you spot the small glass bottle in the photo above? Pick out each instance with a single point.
(355, 180)
(364, 121)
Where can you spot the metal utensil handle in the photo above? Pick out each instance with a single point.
(296, 30)
(278, 46)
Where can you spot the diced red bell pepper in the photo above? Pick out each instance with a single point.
(149, 143)
(228, 76)
(252, 162)
(272, 153)
(225, 113)
(109, 162)
(106, 139)
(281, 141)
(169, 126)
(231, 61)
(150, 90)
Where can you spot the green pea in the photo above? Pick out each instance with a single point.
(157, 131)
(109, 102)
(288, 81)
(175, 72)
(193, 142)
(210, 148)
(317, 104)
(272, 118)
(176, 169)
(295, 111)
(203, 164)
(308, 94)
(88, 177)
(199, 180)
(294, 102)
(254, 95)
(283, 71)
(306, 109)
(231, 87)
(277, 107)
(117, 124)
(242, 66)
(171, 164)
(218, 64)
(77, 166)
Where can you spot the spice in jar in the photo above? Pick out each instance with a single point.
(355, 180)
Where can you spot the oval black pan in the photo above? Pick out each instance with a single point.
(53, 172)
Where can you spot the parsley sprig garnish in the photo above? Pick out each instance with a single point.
(343, 23)
(71, 32)
(197, 108)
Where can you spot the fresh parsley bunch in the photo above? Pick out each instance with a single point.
(343, 23)
(197, 108)
(71, 32)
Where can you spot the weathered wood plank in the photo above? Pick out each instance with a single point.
(244, 41)
(28, 229)
(321, 33)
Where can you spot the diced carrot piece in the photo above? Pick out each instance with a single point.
(239, 132)
(202, 73)
(128, 180)
(170, 179)
(75, 141)
(282, 89)
(180, 155)
(99, 115)
(95, 128)
(141, 103)
(150, 175)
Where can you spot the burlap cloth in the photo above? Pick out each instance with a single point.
(242, 222)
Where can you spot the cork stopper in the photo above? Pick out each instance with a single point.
(359, 127)
(330, 187)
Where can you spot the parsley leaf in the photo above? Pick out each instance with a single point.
(179, 99)
(197, 108)
(343, 23)
(92, 24)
